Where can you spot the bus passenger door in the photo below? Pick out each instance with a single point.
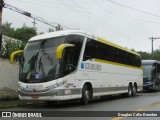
(69, 69)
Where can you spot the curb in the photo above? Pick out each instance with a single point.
(18, 103)
(9, 106)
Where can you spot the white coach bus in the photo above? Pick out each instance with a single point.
(73, 64)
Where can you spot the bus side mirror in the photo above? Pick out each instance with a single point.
(13, 54)
(60, 49)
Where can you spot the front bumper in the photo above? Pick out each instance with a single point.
(148, 86)
(54, 95)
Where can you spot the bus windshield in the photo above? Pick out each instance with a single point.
(39, 63)
(147, 72)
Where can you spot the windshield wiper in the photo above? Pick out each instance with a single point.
(48, 58)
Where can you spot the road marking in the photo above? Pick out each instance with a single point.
(139, 110)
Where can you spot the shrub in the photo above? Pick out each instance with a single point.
(10, 46)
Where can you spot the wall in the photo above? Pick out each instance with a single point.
(8, 79)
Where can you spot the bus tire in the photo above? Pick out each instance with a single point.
(130, 90)
(134, 90)
(85, 95)
(129, 93)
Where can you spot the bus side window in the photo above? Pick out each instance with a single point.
(71, 55)
(90, 50)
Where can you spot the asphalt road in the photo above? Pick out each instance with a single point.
(147, 101)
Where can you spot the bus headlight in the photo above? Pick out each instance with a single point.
(20, 86)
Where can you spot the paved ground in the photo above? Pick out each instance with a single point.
(147, 101)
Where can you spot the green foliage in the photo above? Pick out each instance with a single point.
(145, 55)
(156, 55)
(149, 56)
(24, 33)
(11, 46)
(6, 28)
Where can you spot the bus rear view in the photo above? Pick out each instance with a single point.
(151, 75)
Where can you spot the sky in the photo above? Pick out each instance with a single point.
(124, 26)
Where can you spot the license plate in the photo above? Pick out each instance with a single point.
(34, 86)
(35, 96)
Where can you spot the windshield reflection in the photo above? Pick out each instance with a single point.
(147, 72)
(40, 64)
(40, 61)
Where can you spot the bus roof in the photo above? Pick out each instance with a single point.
(57, 34)
(79, 32)
(150, 61)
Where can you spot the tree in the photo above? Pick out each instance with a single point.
(51, 30)
(145, 55)
(6, 28)
(11, 46)
(156, 55)
(24, 33)
(57, 28)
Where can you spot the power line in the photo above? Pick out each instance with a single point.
(94, 18)
(69, 7)
(127, 19)
(51, 5)
(63, 6)
(31, 16)
(133, 8)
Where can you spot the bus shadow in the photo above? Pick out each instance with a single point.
(147, 91)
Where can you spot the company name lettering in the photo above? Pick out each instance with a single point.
(92, 66)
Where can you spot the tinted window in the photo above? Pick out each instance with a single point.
(99, 50)
(90, 49)
(72, 55)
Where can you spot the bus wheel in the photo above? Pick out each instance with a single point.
(130, 90)
(134, 90)
(129, 93)
(85, 95)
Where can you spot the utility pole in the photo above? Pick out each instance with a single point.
(152, 39)
(34, 24)
(1, 7)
